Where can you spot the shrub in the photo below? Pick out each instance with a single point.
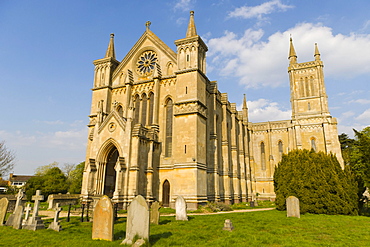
(318, 181)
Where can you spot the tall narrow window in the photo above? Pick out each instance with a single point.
(169, 120)
(313, 144)
(144, 104)
(263, 156)
(136, 110)
(280, 145)
(308, 90)
(151, 109)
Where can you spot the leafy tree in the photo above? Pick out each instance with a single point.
(51, 181)
(318, 181)
(360, 156)
(42, 170)
(75, 178)
(7, 158)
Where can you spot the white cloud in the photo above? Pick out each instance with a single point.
(259, 11)
(263, 110)
(183, 5)
(263, 63)
(364, 118)
(360, 101)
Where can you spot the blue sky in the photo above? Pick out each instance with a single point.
(47, 49)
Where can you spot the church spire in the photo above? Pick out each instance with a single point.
(192, 31)
(317, 53)
(110, 51)
(292, 55)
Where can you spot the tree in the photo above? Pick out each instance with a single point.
(75, 179)
(7, 158)
(51, 181)
(42, 170)
(360, 156)
(318, 181)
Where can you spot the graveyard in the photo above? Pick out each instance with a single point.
(156, 226)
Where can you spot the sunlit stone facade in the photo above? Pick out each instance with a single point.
(160, 128)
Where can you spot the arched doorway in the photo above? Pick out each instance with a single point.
(166, 194)
(110, 172)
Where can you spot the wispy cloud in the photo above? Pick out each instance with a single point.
(360, 101)
(263, 110)
(183, 5)
(259, 11)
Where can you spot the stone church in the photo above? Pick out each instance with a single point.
(160, 128)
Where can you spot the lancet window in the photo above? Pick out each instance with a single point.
(169, 123)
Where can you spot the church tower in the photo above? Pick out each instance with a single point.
(308, 93)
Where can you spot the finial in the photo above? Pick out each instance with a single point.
(292, 55)
(147, 24)
(317, 53)
(110, 51)
(192, 31)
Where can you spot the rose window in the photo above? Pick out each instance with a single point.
(146, 62)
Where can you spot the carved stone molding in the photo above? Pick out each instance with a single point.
(190, 107)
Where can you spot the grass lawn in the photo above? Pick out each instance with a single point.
(265, 228)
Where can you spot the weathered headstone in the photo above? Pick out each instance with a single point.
(19, 197)
(17, 220)
(228, 225)
(154, 213)
(103, 220)
(55, 224)
(4, 202)
(35, 222)
(181, 208)
(27, 210)
(137, 220)
(292, 207)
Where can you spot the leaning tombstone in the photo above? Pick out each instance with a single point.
(19, 197)
(55, 224)
(228, 225)
(103, 223)
(137, 221)
(154, 213)
(181, 208)
(292, 207)
(4, 202)
(17, 220)
(35, 222)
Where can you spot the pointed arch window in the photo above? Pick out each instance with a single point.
(169, 123)
(263, 156)
(144, 105)
(136, 110)
(151, 108)
(313, 144)
(281, 150)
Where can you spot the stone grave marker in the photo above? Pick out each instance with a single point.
(35, 222)
(103, 220)
(4, 202)
(19, 197)
(17, 219)
(137, 220)
(55, 224)
(292, 207)
(27, 210)
(228, 225)
(154, 213)
(181, 208)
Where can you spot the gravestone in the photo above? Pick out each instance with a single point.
(103, 220)
(4, 202)
(55, 224)
(181, 208)
(137, 220)
(27, 210)
(154, 213)
(19, 197)
(35, 222)
(228, 225)
(292, 207)
(17, 219)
